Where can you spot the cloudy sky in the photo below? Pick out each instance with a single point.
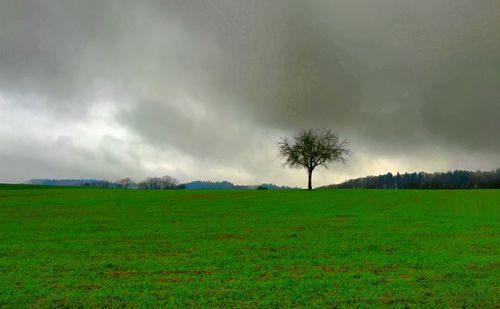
(203, 89)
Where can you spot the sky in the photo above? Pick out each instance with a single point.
(203, 90)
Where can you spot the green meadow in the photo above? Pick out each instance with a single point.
(72, 247)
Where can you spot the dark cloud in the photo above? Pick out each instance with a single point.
(217, 81)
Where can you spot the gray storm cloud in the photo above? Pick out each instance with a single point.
(203, 89)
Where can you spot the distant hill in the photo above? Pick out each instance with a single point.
(62, 182)
(193, 185)
(271, 186)
(444, 180)
(226, 185)
(89, 183)
(208, 185)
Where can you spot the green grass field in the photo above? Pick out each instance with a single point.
(95, 248)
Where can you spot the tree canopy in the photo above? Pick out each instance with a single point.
(312, 148)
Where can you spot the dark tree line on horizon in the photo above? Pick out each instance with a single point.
(155, 183)
(448, 180)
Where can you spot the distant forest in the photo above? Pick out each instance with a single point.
(447, 180)
(155, 183)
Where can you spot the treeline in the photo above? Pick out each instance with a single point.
(150, 183)
(447, 180)
(63, 182)
(155, 183)
(226, 185)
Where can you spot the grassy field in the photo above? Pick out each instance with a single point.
(94, 248)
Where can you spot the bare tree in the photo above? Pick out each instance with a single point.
(159, 183)
(312, 148)
(125, 183)
(169, 182)
(150, 183)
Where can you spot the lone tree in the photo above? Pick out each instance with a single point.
(312, 148)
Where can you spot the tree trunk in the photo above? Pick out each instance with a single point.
(309, 178)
